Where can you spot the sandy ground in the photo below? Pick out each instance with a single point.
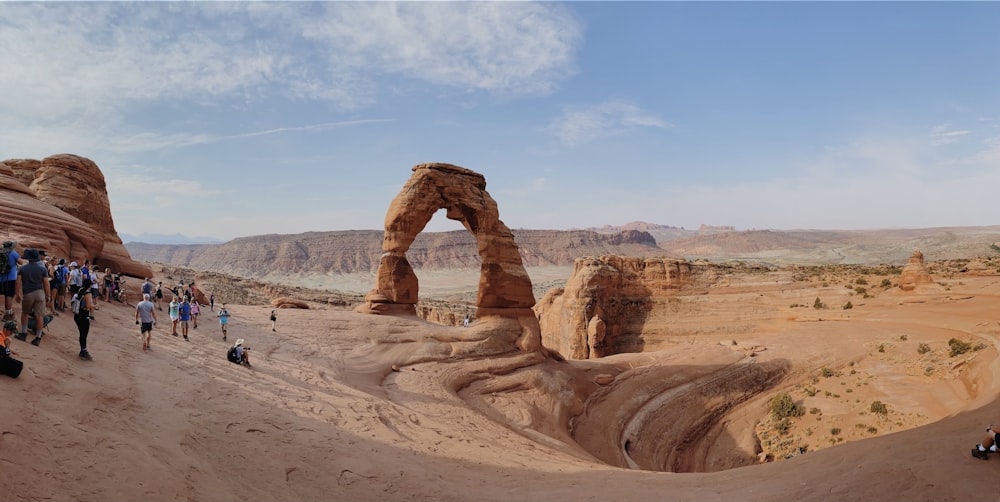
(322, 415)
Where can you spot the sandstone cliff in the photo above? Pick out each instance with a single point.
(60, 204)
(622, 292)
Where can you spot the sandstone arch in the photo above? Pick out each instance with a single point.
(504, 285)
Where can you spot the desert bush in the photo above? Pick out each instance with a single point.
(848, 305)
(872, 430)
(979, 346)
(826, 372)
(782, 425)
(881, 347)
(861, 280)
(878, 407)
(902, 337)
(835, 431)
(783, 406)
(818, 304)
(814, 411)
(923, 348)
(886, 283)
(958, 347)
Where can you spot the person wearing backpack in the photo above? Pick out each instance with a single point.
(8, 277)
(84, 305)
(60, 277)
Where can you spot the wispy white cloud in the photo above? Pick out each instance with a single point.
(582, 124)
(945, 134)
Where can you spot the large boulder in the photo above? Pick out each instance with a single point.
(60, 204)
(914, 273)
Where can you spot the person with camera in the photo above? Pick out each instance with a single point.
(239, 354)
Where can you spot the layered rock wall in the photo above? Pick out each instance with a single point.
(60, 204)
(604, 306)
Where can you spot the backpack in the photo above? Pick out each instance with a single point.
(61, 274)
(231, 355)
(5, 262)
(74, 304)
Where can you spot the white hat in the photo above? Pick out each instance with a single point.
(238, 342)
(73, 264)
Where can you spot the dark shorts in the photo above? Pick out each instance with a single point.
(146, 326)
(7, 288)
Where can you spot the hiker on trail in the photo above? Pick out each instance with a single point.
(158, 296)
(83, 316)
(172, 312)
(75, 278)
(223, 320)
(184, 315)
(195, 312)
(274, 319)
(211, 302)
(145, 317)
(8, 284)
(35, 293)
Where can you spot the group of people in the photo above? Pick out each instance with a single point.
(41, 284)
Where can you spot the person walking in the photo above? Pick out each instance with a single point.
(83, 316)
(211, 302)
(145, 317)
(274, 319)
(195, 312)
(223, 320)
(184, 315)
(158, 296)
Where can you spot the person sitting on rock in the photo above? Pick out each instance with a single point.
(989, 444)
(239, 354)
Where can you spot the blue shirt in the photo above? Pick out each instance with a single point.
(12, 275)
(184, 311)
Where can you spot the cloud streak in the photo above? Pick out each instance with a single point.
(583, 124)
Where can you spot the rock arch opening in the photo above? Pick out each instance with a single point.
(504, 286)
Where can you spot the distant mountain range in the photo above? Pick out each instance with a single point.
(311, 257)
(168, 239)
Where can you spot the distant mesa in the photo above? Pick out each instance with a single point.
(504, 286)
(60, 204)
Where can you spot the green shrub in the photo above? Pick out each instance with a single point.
(923, 348)
(818, 304)
(848, 305)
(878, 407)
(958, 347)
(827, 373)
(783, 406)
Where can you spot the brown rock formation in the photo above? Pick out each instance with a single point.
(60, 204)
(619, 293)
(914, 273)
(289, 303)
(504, 286)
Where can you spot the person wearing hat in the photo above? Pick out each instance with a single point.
(75, 278)
(239, 354)
(35, 294)
(8, 282)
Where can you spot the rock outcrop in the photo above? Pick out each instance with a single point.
(60, 204)
(914, 273)
(606, 301)
(504, 286)
(289, 303)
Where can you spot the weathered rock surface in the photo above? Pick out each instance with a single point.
(60, 204)
(914, 273)
(289, 303)
(605, 304)
(504, 286)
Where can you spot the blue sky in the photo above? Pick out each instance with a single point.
(232, 119)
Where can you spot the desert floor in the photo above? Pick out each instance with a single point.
(323, 415)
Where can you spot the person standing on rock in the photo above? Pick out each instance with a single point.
(8, 283)
(224, 320)
(172, 312)
(145, 317)
(35, 293)
(184, 315)
(274, 319)
(195, 312)
(159, 295)
(83, 317)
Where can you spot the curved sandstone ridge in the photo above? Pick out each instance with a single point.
(60, 204)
